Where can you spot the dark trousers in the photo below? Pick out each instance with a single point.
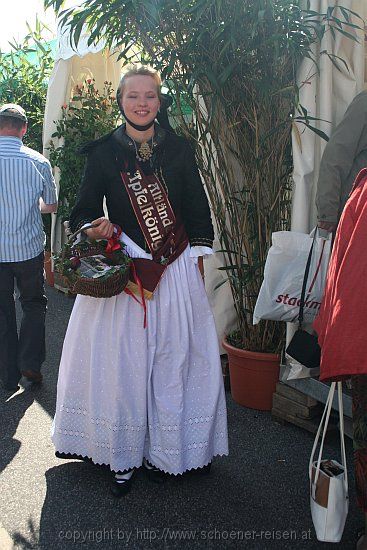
(26, 351)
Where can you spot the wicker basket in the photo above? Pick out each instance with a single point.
(102, 287)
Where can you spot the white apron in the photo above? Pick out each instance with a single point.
(125, 392)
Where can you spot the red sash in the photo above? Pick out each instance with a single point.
(165, 235)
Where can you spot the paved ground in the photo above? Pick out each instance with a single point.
(256, 498)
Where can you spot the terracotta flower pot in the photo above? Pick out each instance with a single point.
(48, 269)
(253, 377)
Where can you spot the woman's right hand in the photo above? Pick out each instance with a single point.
(104, 229)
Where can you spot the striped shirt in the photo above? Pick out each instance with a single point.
(25, 177)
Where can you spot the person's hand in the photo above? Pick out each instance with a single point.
(327, 226)
(104, 229)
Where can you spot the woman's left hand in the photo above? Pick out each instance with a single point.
(103, 229)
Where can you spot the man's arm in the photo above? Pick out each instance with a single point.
(47, 208)
(48, 199)
(344, 146)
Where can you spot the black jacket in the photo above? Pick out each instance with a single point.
(173, 156)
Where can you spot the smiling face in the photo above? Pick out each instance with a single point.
(140, 100)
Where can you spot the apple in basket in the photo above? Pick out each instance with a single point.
(75, 262)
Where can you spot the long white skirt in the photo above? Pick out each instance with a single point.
(126, 393)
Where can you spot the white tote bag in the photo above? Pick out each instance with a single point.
(329, 480)
(280, 293)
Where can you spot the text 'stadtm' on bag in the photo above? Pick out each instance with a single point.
(280, 294)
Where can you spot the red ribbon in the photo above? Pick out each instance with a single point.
(114, 243)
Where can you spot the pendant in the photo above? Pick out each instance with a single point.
(145, 152)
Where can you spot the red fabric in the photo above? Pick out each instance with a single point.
(342, 322)
(114, 242)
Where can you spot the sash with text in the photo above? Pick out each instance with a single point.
(164, 233)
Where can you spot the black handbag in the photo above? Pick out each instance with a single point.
(304, 346)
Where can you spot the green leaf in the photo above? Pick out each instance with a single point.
(347, 11)
(334, 59)
(229, 268)
(227, 73)
(329, 12)
(347, 34)
(317, 131)
(220, 284)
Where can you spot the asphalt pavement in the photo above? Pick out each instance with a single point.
(257, 498)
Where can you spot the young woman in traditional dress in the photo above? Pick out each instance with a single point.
(143, 385)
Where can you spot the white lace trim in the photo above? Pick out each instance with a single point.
(167, 450)
(197, 251)
(137, 432)
(140, 426)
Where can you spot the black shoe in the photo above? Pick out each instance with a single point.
(71, 456)
(32, 376)
(121, 488)
(153, 473)
(203, 471)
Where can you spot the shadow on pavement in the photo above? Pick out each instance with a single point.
(12, 410)
(237, 505)
(57, 318)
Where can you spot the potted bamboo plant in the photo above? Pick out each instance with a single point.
(235, 63)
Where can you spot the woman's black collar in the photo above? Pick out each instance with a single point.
(127, 142)
(120, 136)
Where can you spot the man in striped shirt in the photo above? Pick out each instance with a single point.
(27, 189)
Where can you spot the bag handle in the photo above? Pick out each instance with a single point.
(342, 439)
(325, 421)
(73, 235)
(307, 271)
(89, 226)
(305, 278)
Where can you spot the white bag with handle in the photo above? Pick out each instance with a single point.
(280, 293)
(329, 480)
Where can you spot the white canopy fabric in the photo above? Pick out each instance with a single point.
(69, 71)
(326, 95)
(65, 50)
(73, 67)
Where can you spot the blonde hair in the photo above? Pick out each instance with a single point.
(142, 70)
